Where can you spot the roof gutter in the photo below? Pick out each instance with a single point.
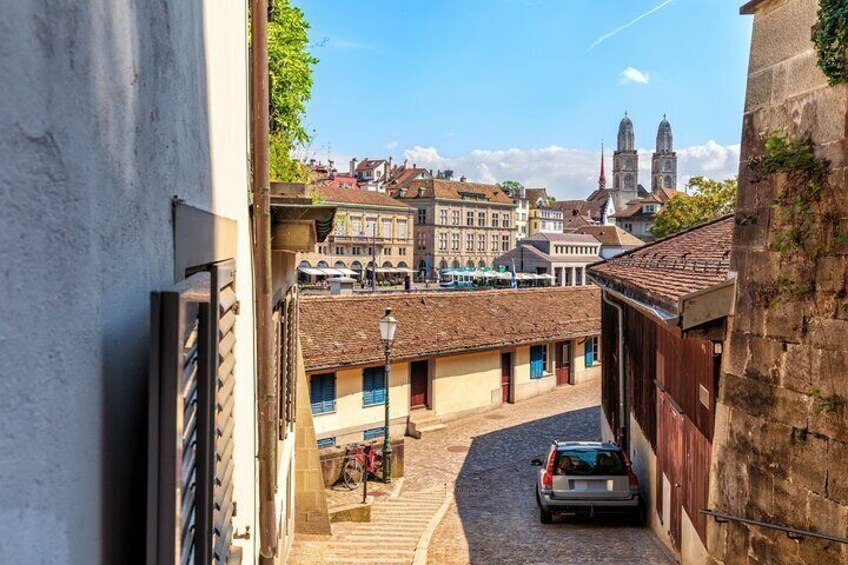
(665, 316)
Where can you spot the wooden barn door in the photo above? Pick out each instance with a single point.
(506, 376)
(672, 464)
(418, 384)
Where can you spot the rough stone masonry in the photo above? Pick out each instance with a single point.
(781, 441)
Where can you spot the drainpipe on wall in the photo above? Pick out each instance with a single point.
(267, 394)
(622, 425)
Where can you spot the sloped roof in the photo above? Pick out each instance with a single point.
(406, 175)
(562, 238)
(572, 224)
(612, 236)
(453, 190)
(667, 269)
(354, 196)
(534, 194)
(439, 323)
(369, 164)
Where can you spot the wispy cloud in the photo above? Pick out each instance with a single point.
(632, 22)
(391, 145)
(570, 172)
(632, 74)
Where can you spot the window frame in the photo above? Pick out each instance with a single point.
(544, 369)
(324, 409)
(374, 392)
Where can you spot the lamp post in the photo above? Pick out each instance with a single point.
(388, 325)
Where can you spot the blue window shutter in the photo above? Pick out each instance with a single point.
(329, 392)
(590, 352)
(537, 361)
(380, 385)
(367, 387)
(316, 393)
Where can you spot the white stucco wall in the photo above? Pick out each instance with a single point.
(107, 111)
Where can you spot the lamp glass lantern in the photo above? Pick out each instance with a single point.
(388, 325)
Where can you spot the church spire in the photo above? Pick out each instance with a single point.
(602, 180)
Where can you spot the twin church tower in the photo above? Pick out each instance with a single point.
(625, 168)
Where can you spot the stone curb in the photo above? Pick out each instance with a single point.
(421, 549)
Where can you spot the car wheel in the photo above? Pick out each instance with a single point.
(545, 516)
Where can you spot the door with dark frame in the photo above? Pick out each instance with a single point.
(506, 376)
(419, 372)
(563, 363)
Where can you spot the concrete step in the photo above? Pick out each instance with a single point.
(423, 421)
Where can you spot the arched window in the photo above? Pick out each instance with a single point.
(628, 181)
(356, 266)
(402, 265)
(387, 264)
(469, 264)
(455, 264)
(667, 181)
(443, 264)
(339, 265)
(323, 264)
(481, 263)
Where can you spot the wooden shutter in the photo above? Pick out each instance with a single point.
(224, 310)
(179, 359)
(368, 385)
(287, 352)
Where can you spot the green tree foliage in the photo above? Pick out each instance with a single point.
(290, 68)
(830, 37)
(511, 187)
(709, 200)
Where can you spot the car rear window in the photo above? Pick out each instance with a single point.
(589, 462)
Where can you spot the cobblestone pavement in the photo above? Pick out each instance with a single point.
(494, 518)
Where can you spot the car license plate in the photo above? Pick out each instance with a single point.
(592, 486)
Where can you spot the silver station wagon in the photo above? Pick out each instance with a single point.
(587, 477)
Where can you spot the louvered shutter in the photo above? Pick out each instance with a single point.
(589, 357)
(329, 392)
(316, 396)
(223, 307)
(180, 357)
(379, 385)
(367, 387)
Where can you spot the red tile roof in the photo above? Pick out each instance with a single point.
(612, 236)
(667, 269)
(338, 331)
(453, 190)
(352, 196)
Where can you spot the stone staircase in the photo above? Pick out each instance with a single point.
(391, 536)
(422, 422)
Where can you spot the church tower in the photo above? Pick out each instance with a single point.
(625, 166)
(664, 160)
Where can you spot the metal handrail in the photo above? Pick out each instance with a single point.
(791, 533)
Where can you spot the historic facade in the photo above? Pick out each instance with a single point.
(664, 159)
(458, 223)
(369, 226)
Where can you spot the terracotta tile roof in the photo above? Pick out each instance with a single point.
(342, 331)
(575, 223)
(633, 209)
(369, 164)
(351, 196)
(663, 271)
(534, 194)
(562, 238)
(612, 236)
(406, 175)
(453, 190)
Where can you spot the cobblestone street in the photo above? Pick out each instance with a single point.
(484, 461)
(494, 518)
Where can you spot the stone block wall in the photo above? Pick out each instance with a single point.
(780, 455)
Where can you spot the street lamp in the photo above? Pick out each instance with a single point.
(388, 325)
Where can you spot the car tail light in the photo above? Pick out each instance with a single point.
(634, 480)
(548, 474)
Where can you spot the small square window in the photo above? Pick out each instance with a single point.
(374, 433)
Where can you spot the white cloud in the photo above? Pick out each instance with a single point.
(391, 145)
(570, 173)
(632, 22)
(632, 74)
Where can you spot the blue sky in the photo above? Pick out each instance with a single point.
(526, 89)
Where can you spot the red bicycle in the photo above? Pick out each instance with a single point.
(360, 461)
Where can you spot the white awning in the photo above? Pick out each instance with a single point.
(311, 271)
(348, 272)
(326, 271)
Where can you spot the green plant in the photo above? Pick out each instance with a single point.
(831, 40)
(801, 219)
(825, 404)
(708, 200)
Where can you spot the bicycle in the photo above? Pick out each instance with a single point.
(360, 461)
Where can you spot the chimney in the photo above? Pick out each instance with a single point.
(462, 179)
(330, 163)
(404, 163)
(353, 166)
(414, 165)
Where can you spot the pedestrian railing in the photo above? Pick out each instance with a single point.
(791, 533)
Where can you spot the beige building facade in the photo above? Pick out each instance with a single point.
(458, 224)
(444, 366)
(368, 226)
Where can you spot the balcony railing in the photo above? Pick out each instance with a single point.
(366, 239)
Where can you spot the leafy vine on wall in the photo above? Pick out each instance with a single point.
(831, 40)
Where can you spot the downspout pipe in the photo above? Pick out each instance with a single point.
(622, 423)
(266, 383)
